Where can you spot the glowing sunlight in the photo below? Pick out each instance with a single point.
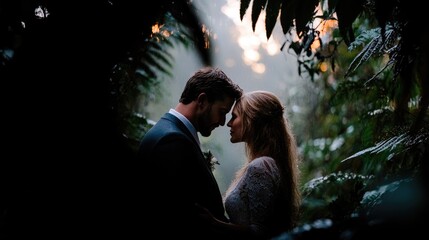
(253, 44)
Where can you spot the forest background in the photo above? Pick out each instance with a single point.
(70, 167)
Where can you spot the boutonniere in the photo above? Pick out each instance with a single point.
(210, 159)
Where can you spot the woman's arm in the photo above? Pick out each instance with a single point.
(230, 230)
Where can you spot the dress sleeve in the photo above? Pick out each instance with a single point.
(262, 179)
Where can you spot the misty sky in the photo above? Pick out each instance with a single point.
(248, 58)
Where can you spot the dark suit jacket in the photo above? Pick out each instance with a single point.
(175, 177)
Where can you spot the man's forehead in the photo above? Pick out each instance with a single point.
(225, 103)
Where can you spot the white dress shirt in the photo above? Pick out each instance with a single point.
(187, 123)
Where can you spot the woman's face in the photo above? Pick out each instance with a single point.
(236, 126)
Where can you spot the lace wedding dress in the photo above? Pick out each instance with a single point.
(255, 201)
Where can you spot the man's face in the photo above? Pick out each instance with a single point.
(214, 116)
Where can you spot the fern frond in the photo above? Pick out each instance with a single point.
(375, 47)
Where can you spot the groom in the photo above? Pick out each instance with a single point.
(176, 177)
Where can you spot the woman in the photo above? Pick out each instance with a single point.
(263, 200)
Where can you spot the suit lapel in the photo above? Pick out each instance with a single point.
(179, 124)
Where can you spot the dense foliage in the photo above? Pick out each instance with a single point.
(370, 67)
(70, 71)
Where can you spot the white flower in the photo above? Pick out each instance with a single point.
(211, 160)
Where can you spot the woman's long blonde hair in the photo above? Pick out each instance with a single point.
(266, 132)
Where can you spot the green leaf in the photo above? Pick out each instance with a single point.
(305, 10)
(244, 5)
(257, 7)
(272, 12)
(331, 5)
(347, 12)
(287, 15)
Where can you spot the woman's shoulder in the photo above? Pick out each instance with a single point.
(263, 170)
(264, 163)
(262, 160)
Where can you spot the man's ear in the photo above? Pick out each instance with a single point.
(202, 100)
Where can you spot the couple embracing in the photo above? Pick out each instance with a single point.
(182, 197)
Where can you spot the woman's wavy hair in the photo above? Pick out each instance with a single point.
(267, 132)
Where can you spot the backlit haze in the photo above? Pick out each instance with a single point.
(248, 58)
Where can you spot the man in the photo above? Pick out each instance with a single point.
(176, 177)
